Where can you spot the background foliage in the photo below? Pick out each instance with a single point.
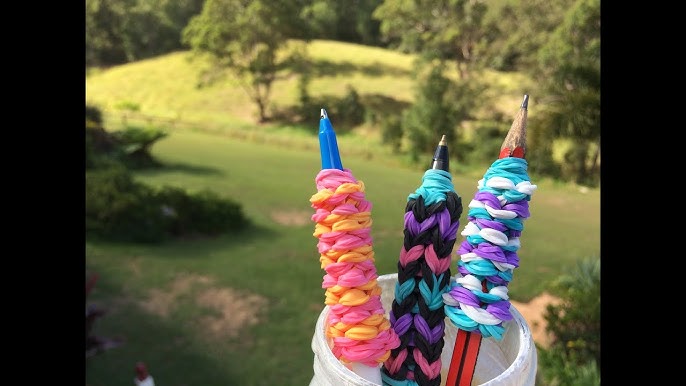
(119, 208)
(573, 358)
(555, 41)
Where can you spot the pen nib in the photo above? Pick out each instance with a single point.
(328, 146)
(441, 160)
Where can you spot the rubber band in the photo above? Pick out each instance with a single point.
(417, 315)
(489, 250)
(356, 324)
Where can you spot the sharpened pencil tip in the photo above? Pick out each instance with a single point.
(515, 141)
(323, 114)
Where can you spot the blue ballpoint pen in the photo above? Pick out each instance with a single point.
(328, 146)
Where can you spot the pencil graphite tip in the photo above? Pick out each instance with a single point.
(525, 102)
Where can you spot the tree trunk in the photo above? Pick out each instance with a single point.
(581, 168)
(262, 112)
(596, 156)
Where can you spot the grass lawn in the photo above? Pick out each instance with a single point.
(240, 309)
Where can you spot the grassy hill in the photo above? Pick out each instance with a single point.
(168, 87)
(240, 309)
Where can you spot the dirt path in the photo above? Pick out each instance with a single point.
(533, 313)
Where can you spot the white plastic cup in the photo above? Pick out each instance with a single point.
(512, 361)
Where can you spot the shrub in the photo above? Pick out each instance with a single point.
(556, 369)
(102, 150)
(392, 132)
(434, 113)
(121, 209)
(487, 141)
(93, 116)
(131, 146)
(575, 328)
(350, 109)
(201, 213)
(136, 143)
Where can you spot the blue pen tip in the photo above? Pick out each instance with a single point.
(328, 145)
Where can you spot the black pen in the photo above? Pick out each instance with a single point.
(441, 160)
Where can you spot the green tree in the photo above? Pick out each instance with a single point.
(242, 37)
(105, 34)
(440, 107)
(349, 20)
(119, 31)
(569, 68)
(367, 28)
(322, 18)
(446, 30)
(518, 29)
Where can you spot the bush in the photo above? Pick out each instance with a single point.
(136, 143)
(121, 209)
(130, 146)
(440, 106)
(575, 327)
(392, 132)
(488, 139)
(93, 116)
(556, 368)
(201, 213)
(102, 150)
(350, 109)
